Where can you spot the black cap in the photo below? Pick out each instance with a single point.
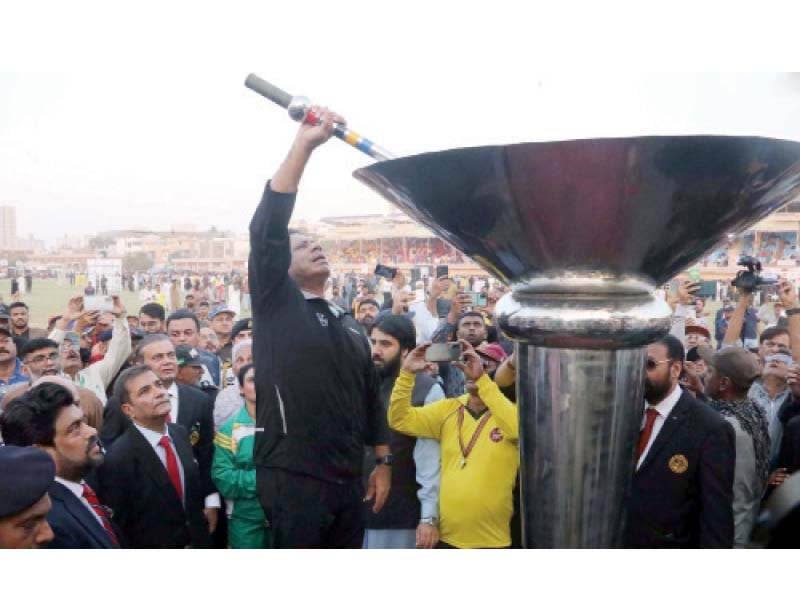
(241, 325)
(188, 356)
(25, 475)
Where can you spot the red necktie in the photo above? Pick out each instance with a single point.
(101, 511)
(644, 434)
(173, 470)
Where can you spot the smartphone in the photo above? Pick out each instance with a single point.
(442, 271)
(101, 303)
(708, 289)
(443, 352)
(386, 272)
(481, 301)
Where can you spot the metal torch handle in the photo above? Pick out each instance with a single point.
(344, 133)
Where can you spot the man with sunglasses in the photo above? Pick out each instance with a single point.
(771, 392)
(682, 491)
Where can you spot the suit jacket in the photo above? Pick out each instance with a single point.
(682, 495)
(195, 414)
(134, 483)
(72, 523)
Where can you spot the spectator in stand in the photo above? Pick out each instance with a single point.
(696, 335)
(203, 308)
(731, 372)
(459, 325)
(25, 476)
(367, 312)
(477, 479)
(11, 367)
(183, 327)
(190, 408)
(403, 302)
(681, 438)
(147, 295)
(190, 366)
(234, 471)
(150, 478)
(222, 323)
(411, 514)
(48, 416)
(229, 400)
(40, 357)
(152, 317)
(98, 376)
(722, 324)
(20, 322)
(208, 340)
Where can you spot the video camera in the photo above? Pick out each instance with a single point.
(748, 279)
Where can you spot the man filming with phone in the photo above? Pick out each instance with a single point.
(99, 375)
(478, 433)
(461, 323)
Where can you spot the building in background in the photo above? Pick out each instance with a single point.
(8, 227)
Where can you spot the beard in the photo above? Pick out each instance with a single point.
(390, 369)
(656, 391)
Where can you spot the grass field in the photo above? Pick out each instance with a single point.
(48, 298)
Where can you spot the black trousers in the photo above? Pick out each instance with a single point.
(306, 512)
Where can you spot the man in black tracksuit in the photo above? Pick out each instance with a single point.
(317, 387)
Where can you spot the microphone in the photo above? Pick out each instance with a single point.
(299, 109)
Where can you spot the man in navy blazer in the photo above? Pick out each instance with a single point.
(150, 477)
(49, 417)
(682, 492)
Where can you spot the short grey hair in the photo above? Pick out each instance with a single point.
(241, 346)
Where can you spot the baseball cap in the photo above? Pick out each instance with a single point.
(738, 364)
(493, 352)
(219, 310)
(241, 325)
(25, 475)
(188, 356)
(699, 330)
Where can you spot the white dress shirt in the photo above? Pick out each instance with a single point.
(173, 398)
(663, 409)
(77, 489)
(212, 500)
(153, 437)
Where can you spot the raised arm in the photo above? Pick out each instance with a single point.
(270, 255)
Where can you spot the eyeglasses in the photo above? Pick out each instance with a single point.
(53, 356)
(652, 364)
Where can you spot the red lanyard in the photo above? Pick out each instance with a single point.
(465, 451)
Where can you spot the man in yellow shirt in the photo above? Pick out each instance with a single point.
(479, 438)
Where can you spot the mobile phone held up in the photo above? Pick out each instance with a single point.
(385, 272)
(442, 271)
(443, 352)
(101, 303)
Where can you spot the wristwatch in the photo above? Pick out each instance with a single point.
(386, 459)
(792, 311)
(429, 521)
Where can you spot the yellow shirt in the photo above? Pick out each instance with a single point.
(475, 501)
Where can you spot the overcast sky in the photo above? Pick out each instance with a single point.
(117, 119)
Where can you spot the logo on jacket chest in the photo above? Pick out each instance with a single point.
(496, 435)
(323, 320)
(678, 464)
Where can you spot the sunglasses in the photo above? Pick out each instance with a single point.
(652, 364)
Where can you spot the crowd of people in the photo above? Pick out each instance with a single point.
(324, 421)
(417, 251)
